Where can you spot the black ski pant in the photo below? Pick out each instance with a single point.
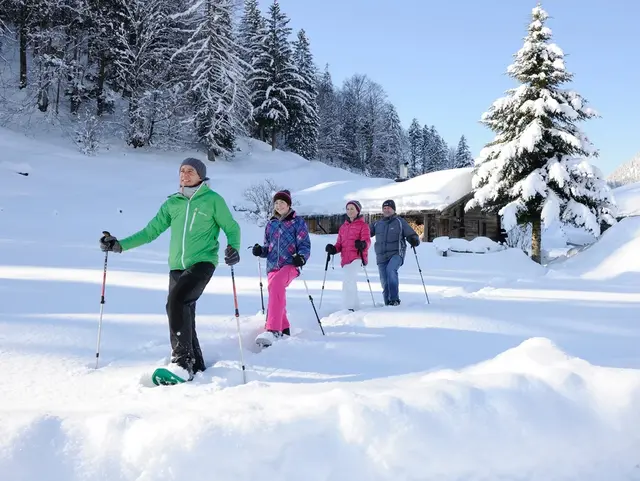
(185, 288)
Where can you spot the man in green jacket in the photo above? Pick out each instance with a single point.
(195, 215)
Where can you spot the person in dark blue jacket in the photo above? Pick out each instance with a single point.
(391, 234)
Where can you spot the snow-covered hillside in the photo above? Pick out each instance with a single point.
(627, 173)
(511, 371)
(628, 199)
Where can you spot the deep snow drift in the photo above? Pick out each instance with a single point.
(512, 371)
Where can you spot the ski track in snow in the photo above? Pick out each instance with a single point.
(511, 372)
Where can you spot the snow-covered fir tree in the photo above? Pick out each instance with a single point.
(142, 62)
(441, 150)
(415, 148)
(274, 81)
(536, 169)
(392, 151)
(250, 25)
(250, 38)
(463, 157)
(329, 145)
(451, 157)
(302, 131)
(429, 151)
(215, 86)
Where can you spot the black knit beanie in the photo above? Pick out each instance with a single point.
(389, 203)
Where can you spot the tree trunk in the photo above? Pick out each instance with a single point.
(100, 95)
(274, 133)
(211, 155)
(536, 238)
(23, 55)
(58, 96)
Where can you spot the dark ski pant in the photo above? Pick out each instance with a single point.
(185, 288)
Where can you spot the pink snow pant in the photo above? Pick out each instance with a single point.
(277, 308)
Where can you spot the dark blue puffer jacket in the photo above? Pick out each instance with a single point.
(391, 234)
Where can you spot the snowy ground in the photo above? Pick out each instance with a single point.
(512, 372)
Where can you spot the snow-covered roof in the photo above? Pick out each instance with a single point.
(433, 191)
(628, 199)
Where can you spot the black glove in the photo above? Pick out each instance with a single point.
(108, 243)
(231, 256)
(257, 250)
(331, 249)
(298, 260)
(414, 241)
(361, 245)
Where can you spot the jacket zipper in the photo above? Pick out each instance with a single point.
(184, 230)
(193, 219)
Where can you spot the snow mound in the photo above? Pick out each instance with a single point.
(628, 199)
(526, 414)
(478, 245)
(614, 255)
(433, 191)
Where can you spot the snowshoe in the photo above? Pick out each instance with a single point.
(170, 375)
(267, 338)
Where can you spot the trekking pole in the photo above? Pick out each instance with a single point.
(237, 313)
(261, 294)
(104, 284)
(260, 271)
(326, 266)
(367, 276)
(312, 304)
(420, 270)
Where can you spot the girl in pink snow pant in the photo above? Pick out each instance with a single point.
(277, 309)
(287, 248)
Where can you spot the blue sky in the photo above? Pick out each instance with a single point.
(444, 62)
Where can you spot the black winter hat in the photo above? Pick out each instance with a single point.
(389, 203)
(283, 195)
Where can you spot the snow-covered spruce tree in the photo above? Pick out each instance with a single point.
(415, 148)
(251, 23)
(274, 80)
(143, 49)
(329, 146)
(535, 171)
(451, 157)
(215, 86)
(104, 17)
(302, 132)
(250, 38)
(391, 145)
(428, 151)
(463, 157)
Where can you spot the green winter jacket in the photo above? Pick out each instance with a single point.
(195, 226)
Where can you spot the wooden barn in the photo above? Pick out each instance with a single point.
(435, 217)
(452, 221)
